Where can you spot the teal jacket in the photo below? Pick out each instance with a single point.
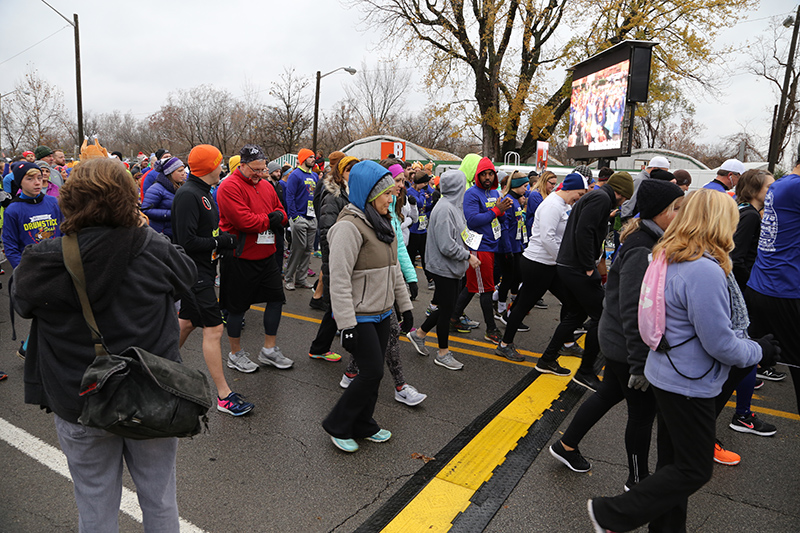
(406, 264)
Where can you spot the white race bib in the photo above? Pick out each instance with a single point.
(266, 237)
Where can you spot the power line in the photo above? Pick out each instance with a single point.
(35, 44)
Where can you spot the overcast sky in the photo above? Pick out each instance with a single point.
(134, 53)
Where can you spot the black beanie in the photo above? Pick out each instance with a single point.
(654, 196)
(663, 175)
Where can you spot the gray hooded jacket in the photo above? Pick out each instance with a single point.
(446, 254)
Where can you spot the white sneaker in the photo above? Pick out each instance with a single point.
(276, 358)
(448, 361)
(241, 361)
(409, 395)
(289, 285)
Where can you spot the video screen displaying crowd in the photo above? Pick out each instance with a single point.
(698, 298)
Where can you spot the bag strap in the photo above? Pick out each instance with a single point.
(74, 264)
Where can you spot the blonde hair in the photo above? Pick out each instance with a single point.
(705, 223)
(541, 185)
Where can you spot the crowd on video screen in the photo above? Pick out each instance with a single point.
(597, 107)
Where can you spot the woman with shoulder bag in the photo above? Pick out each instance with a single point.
(134, 275)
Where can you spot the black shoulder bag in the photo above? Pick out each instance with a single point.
(135, 394)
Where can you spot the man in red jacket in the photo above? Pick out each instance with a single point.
(250, 210)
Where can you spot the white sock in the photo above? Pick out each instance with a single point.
(268, 350)
(501, 306)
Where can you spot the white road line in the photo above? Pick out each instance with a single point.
(55, 460)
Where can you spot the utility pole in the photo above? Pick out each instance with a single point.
(775, 145)
(74, 24)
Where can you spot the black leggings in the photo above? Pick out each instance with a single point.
(351, 417)
(416, 245)
(510, 264)
(272, 319)
(444, 296)
(641, 414)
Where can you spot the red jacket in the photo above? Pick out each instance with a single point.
(244, 210)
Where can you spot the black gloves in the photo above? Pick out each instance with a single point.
(408, 322)
(413, 289)
(225, 241)
(275, 221)
(411, 200)
(770, 350)
(350, 340)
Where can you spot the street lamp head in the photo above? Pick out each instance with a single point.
(350, 70)
(789, 22)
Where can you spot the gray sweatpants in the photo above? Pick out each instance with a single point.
(303, 233)
(95, 459)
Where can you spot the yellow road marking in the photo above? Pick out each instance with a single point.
(448, 494)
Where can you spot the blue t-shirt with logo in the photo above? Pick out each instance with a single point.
(776, 272)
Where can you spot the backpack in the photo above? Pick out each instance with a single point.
(652, 307)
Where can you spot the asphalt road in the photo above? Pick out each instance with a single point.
(276, 469)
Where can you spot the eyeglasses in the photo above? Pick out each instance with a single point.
(256, 170)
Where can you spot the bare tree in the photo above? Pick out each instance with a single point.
(377, 97)
(291, 117)
(35, 114)
(768, 57)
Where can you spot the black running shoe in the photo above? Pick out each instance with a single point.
(574, 460)
(586, 379)
(750, 423)
(770, 374)
(551, 367)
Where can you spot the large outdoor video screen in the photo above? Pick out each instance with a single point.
(597, 112)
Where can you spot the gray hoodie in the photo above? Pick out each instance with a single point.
(446, 254)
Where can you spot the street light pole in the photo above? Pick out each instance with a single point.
(74, 24)
(349, 70)
(776, 138)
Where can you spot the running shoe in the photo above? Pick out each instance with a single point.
(540, 304)
(448, 361)
(317, 254)
(234, 404)
(750, 423)
(725, 457)
(417, 343)
(346, 381)
(310, 273)
(381, 436)
(331, 357)
(467, 321)
(770, 374)
(430, 309)
(21, 351)
(586, 379)
(409, 395)
(431, 285)
(216, 281)
(241, 361)
(573, 350)
(759, 383)
(346, 445)
(276, 358)
(457, 327)
(522, 328)
(289, 285)
(3, 375)
(305, 285)
(574, 460)
(501, 317)
(551, 367)
(509, 352)
(493, 336)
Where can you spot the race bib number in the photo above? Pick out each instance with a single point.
(310, 209)
(423, 222)
(471, 238)
(496, 229)
(266, 237)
